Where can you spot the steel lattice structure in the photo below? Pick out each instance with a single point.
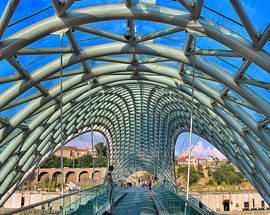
(139, 97)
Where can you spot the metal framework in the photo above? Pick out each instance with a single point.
(140, 93)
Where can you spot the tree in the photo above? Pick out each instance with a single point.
(226, 174)
(52, 162)
(195, 175)
(85, 161)
(210, 172)
(200, 170)
(101, 149)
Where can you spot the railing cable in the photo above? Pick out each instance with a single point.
(61, 118)
(191, 124)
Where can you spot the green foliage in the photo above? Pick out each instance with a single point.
(210, 172)
(226, 174)
(101, 159)
(200, 171)
(195, 174)
(49, 185)
(181, 170)
(85, 161)
(101, 149)
(148, 174)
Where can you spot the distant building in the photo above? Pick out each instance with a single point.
(184, 154)
(184, 161)
(210, 159)
(73, 152)
(201, 161)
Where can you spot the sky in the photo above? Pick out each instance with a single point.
(119, 27)
(85, 140)
(201, 149)
(253, 8)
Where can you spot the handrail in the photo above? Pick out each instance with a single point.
(173, 188)
(46, 201)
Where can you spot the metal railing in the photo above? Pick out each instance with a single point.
(87, 201)
(191, 201)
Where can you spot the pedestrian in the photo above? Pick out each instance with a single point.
(108, 182)
(149, 183)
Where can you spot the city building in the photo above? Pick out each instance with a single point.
(73, 152)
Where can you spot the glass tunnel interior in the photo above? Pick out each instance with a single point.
(139, 72)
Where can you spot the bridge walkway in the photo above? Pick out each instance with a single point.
(137, 201)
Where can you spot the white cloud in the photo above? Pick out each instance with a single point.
(200, 151)
(85, 140)
(177, 154)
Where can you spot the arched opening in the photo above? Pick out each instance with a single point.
(85, 147)
(84, 177)
(140, 179)
(70, 177)
(57, 177)
(42, 176)
(209, 167)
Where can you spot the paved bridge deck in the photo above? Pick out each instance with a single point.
(137, 201)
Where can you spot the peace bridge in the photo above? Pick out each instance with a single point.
(140, 72)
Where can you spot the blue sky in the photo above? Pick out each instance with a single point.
(201, 149)
(258, 11)
(85, 140)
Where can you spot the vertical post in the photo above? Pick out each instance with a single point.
(190, 131)
(61, 119)
(92, 137)
(73, 161)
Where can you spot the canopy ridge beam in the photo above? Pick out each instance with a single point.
(245, 20)
(153, 60)
(61, 7)
(214, 52)
(10, 78)
(160, 33)
(238, 75)
(16, 65)
(247, 62)
(263, 123)
(241, 102)
(99, 32)
(22, 101)
(113, 59)
(128, 61)
(66, 74)
(198, 75)
(256, 83)
(128, 3)
(186, 50)
(7, 15)
(6, 123)
(41, 51)
(265, 37)
(132, 40)
(186, 4)
(198, 8)
(76, 50)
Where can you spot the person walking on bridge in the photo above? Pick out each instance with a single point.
(149, 183)
(108, 182)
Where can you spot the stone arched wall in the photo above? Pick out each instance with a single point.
(57, 176)
(84, 177)
(42, 176)
(70, 177)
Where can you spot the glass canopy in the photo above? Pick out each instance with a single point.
(128, 69)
